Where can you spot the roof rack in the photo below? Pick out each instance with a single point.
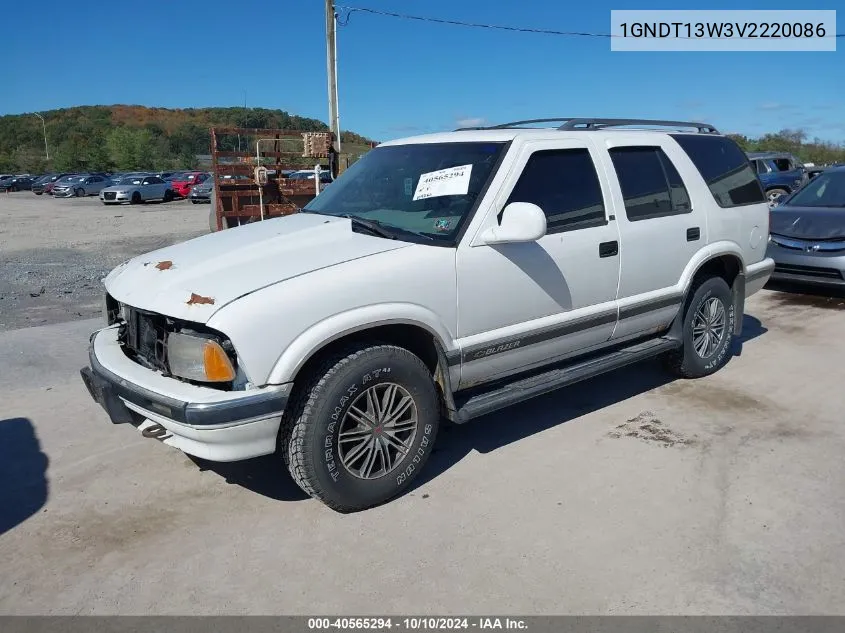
(573, 124)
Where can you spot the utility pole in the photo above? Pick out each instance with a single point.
(44, 125)
(331, 64)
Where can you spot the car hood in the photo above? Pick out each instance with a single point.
(194, 279)
(808, 223)
(117, 188)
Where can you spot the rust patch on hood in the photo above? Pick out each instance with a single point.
(165, 265)
(199, 299)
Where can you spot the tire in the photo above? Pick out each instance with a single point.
(194, 202)
(771, 194)
(14, 188)
(332, 471)
(38, 193)
(80, 193)
(136, 198)
(168, 195)
(710, 298)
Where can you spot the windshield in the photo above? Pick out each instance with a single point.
(424, 188)
(130, 180)
(825, 190)
(68, 179)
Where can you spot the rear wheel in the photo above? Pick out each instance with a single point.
(361, 426)
(707, 330)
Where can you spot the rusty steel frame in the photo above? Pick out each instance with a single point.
(241, 202)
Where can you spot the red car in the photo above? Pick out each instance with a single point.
(183, 182)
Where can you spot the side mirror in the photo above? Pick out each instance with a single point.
(521, 222)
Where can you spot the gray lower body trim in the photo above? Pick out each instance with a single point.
(478, 352)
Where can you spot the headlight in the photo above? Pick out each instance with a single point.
(198, 358)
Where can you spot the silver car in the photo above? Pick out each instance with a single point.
(807, 232)
(137, 189)
(81, 185)
(202, 191)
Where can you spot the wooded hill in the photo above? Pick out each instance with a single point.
(125, 137)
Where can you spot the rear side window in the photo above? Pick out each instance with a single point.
(564, 184)
(724, 167)
(651, 186)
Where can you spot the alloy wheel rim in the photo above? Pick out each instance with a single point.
(708, 327)
(377, 431)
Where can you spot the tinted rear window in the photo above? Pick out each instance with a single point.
(725, 168)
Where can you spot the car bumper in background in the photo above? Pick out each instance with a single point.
(207, 423)
(813, 268)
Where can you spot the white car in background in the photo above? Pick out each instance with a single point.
(137, 189)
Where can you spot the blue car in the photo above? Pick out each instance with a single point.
(780, 173)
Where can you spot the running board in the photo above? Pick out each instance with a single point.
(550, 380)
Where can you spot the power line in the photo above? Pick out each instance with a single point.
(501, 27)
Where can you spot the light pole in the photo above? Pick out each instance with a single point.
(44, 125)
(331, 64)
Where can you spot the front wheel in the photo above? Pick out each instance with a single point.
(80, 193)
(361, 427)
(136, 198)
(707, 330)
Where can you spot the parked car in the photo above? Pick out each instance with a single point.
(16, 183)
(48, 188)
(182, 182)
(39, 185)
(137, 189)
(336, 336)
(807, 232)
(780, 173)
(308, 174)
(80, 185)
(202, 192)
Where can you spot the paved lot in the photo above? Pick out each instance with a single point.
(628, 494)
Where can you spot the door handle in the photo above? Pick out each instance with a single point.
(608, 249)
(693, 234)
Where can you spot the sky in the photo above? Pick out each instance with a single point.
(398, 77)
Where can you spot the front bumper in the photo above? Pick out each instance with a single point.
(208, 423)
(812, 268)
(200, 195)
(118, 198)
(63, 193)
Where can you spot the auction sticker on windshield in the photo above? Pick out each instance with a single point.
(453, 181)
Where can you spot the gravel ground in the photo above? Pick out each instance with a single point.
(54, 252)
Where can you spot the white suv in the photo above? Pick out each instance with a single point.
(446, 275)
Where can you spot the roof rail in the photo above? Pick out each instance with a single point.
(594, 124)
(574, 124)
(503, 126)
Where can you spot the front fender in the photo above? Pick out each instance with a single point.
(312, 340)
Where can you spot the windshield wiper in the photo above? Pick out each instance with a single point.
(372, 227)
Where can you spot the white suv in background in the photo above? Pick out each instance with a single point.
(446, 275)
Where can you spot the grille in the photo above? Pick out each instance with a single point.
(144, 338)
(109, 195)
(808, 271)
